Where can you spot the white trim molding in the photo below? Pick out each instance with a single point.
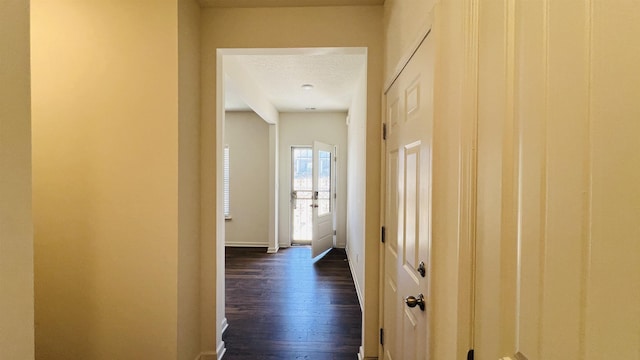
(362, 357)
(224, 325)
(246, 244)
(221, 350)
(355, 283)
(402, 63)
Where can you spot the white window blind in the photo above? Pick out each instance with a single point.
(227, 211)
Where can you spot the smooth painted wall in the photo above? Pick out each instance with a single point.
(188, 179)
(405, 23)
(16, 225)
(342, 26)
(453, 196)
(302, 129)
(247, 136)
(106, 179)
(356, 176)
(558, 173)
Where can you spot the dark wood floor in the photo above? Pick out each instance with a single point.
(286, 306)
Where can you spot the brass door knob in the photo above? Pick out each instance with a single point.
(412, 301)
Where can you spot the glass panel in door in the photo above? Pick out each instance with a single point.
(324, 182)
(301, 194)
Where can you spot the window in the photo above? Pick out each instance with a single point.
(302, 194)
(227, 211)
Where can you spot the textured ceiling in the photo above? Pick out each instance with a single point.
(280, 77)
(286, 3)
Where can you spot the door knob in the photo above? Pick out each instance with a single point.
(412, 301)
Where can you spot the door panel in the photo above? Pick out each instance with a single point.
(408, 207)
(323, 207)
(411, 211)
(409, 341)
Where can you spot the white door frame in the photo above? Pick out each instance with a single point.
(271, 116)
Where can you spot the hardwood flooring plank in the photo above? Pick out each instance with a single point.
(287, 306)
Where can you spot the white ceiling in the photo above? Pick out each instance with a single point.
(286, 3)
(279, 78)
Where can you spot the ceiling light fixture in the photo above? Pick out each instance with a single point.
(307, 86)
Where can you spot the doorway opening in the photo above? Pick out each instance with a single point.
(291, 126)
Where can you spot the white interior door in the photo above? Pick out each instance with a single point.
(323, 205)
(408, 209)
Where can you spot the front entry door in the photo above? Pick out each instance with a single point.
(323, 205)
(408, 208)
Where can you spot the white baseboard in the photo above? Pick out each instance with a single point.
(362, 357)
(213, 355)
(224, 325)
(273, 250)
(246, 244)
(221, 350)
(355, 283)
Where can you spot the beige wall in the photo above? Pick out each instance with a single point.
(613, 285)
(188, 179)
(557, 275)
(106, 179)
(405, 23)
(453, 201)
(16, 228)
(247, 135)
(303, 129)
(290, 27)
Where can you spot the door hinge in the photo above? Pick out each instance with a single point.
(470, 355)
(383, 234)
(384, 131)
(381, 336)
(335, 232)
